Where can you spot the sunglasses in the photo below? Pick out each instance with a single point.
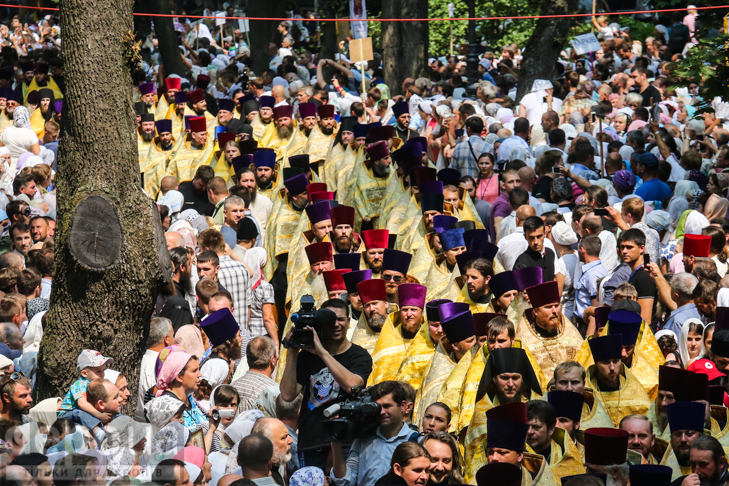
(394, 278)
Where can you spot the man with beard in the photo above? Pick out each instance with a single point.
(182, 272)
(340, 159)
(395, 266)
(670, 380)
(275, 431)
(28, 71)
(628, 324)
(416, 362)
(177, 113)
(42, 80)
(307, 113)
(477, 275)
(606, 452)
(431, 205)
(145, 135)
(351, 280)
(267, 173)
(262, 120)
(506, 421)
(370, 184)
(398, 332)
(193, 153)
(374, 313)
(708, 464)
(401, 112)
(173, 85)
(298, 263)
(146, 96)
(12, 102)
(343, 236)
(321, 137)
(43, 113)
(224, 334)
(247, 109)
(197, 105)
(375, 242)
(686, 423)
(159, 154)
(195, 191)
(16, 396)
(552, 338)
(226, 109)
(279, 136)
(280, 235)
(621, 392)
(260, 205)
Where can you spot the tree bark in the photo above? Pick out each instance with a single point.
(545, 44)
(263, 31)
(104, 287)
(164, 30)
(405, 44)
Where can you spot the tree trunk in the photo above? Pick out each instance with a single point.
(164, 30)
(405, 44)
(263, 31)
(545, 44)
(108, 264)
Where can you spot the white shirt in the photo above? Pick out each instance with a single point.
(536, 106)
(608, 250)
(146, 380)
(507, 226)
(508, 145)
(512, 246)
(261, 210)
(678, 173)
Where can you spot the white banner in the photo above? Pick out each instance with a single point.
(358, 10)
(450, 10)
(585, 43)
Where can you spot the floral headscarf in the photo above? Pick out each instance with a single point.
(171, 436)
(308, 476)
(160, 410)
(21, 117)
(121, 461)
(124, 432)
(699, 177)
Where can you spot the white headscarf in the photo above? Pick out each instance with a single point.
(684, 187)
(695, 222)
(682, 347)
(255, 258)
(563, 234)
(21, 117)
(173, 200)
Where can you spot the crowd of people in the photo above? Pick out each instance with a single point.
(446, 286)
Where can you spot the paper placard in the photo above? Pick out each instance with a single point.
(361, 50)
(585, 43)
(221, 20)
(450, 10)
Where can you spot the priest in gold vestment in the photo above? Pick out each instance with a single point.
(374, 313)
(371, 180)
(399, 330)
(145, 135)
(617, 388)
(159, 155)
(193, 153)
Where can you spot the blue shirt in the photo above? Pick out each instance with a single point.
(369, 458)
(586, 286)
(464, 160)
(681, 315)
(654, 190)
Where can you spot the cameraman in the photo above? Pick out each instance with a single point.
(328, 374)
(364, 465)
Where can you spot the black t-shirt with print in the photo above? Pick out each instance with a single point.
(321, 391)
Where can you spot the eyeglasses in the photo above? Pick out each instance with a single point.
(394, 278)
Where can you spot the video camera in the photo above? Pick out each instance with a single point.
(306, 316)
(357, 417)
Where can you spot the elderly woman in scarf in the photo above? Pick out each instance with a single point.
(716, 207)
(19, 138)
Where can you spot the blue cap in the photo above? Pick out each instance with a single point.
(264, 158)
(647, 159)
(625, 323)
(3, 215)
(452, 238)
(443, 222)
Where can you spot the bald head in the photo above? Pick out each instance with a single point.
(228, 479)
(523, 213)
(18, 475)
(504, 133)
(11, 259)
(279, 92)
(174, 240)
(168, 183)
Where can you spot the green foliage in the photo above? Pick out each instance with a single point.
(496, 32)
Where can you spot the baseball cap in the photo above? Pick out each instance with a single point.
(647, 159)
(705, 367)
(91, 359)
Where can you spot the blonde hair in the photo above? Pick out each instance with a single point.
(625, 291)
